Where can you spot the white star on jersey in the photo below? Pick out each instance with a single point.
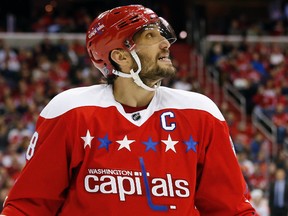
(125, 143)
(88, 138)
(170, 144)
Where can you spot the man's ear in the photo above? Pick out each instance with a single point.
(121, 57)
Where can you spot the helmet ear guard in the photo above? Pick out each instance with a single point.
(99, 63)
(114, 29)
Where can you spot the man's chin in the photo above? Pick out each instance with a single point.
(167, 72)
(159, 73)
(168, 69)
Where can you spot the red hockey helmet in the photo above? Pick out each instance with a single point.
(115, 28)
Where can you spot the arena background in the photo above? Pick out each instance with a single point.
(233, 51)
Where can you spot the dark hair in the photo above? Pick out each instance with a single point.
(111, 77)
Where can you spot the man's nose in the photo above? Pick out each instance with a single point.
(164, 44)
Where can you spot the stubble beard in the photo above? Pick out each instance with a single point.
(152, 73)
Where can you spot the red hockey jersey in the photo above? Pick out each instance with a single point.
(88, 157)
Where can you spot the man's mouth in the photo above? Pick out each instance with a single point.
(164, 58)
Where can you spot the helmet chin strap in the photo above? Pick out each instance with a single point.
(135, 75)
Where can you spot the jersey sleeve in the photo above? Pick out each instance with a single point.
(41, 186)
(221, 189)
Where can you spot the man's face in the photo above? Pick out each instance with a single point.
(153, 51)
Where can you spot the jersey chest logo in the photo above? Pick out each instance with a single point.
(126, 183)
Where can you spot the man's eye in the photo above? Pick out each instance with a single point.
(149, 35)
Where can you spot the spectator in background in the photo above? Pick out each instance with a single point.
(183, 82)
(215, 54)
(259, 66)
(9, 64)
(259, 202)
(280, 119)
(276, 55)
(235, 27)
(5, 182)
(255, 145)
(278, 28)
(258, 178)
(284, 86)
(278, 194)
(246, 165)
(265, 99)
(3, 134)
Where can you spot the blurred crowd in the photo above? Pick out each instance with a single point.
(242, 25)
(64, 16)
(259, 71)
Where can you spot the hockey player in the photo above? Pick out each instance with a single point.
(130, 147)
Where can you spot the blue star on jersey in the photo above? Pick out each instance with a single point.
(191, 144)
(104, 142)
(150, 145)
